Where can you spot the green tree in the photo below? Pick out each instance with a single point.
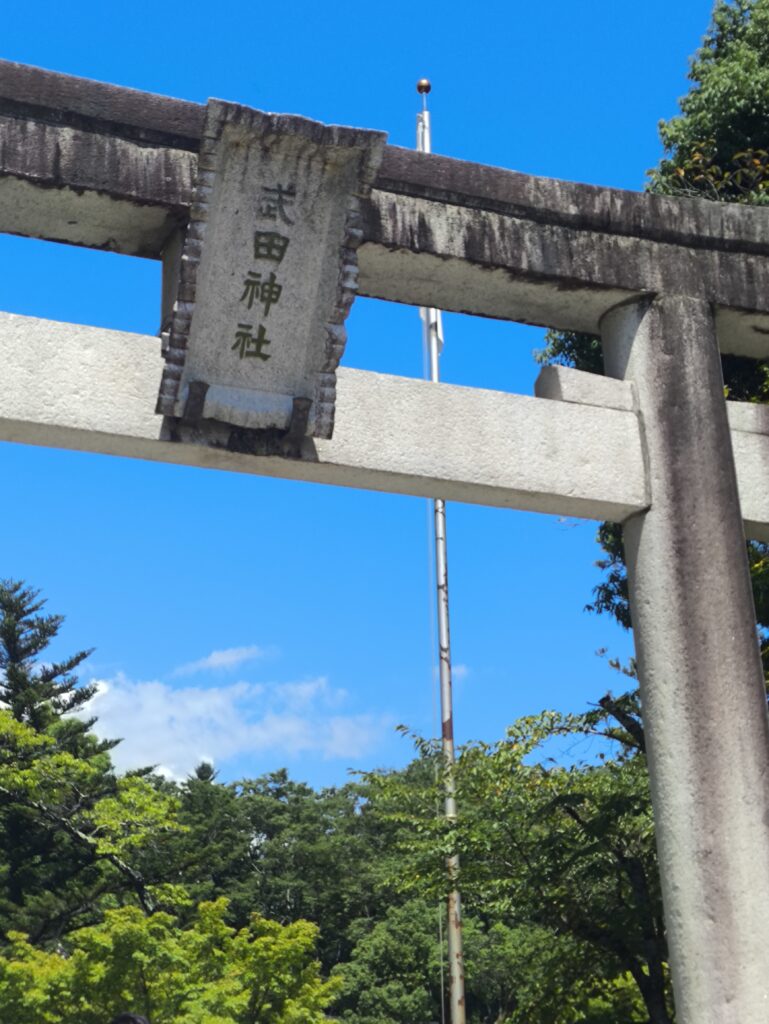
(212, 854)
(567, 850)
(717, 147)
(204, 973)
(94, 841)
(42, 694)
(320, 857)
(277, 846)
(394, 973)
(529, 974)
(524, 974)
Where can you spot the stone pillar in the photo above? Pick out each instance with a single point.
(701, 680)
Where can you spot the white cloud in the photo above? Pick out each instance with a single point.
(229, 658)
(178, 727)
(302, 696)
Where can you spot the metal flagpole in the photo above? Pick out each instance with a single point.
(432, 329)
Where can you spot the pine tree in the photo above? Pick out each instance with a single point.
(43, 695)
(45, 875)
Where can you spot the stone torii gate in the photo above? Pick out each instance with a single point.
(652, 445)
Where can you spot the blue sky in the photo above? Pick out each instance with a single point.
(263, 623)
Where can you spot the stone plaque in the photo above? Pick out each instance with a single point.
(268, 274)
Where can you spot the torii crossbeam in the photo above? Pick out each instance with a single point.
(653, 445)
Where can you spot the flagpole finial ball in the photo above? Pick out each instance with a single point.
(423, 86)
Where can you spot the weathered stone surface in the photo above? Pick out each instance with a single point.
(93, 164)
(268, 271)
(507, 245)
(98, 106)
(93, 220)
(86, 388)
(58, 156)
(93, 189)
(474, 261)
(689, 222)
(566, 385)
(27, 91)
(93, 389)
(702, 684)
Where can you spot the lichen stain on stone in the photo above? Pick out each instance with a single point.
(476, 242)
(56, 163)
(423, 239)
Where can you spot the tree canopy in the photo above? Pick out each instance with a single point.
(718, 146)
(204, 973)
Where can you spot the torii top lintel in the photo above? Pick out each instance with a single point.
(109, 167)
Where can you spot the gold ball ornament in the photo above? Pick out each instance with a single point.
(423, 86)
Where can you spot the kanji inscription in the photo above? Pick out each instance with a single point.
(276, 201)
(249, 345)
(269, 273)
(269, 245)
(256, 290)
